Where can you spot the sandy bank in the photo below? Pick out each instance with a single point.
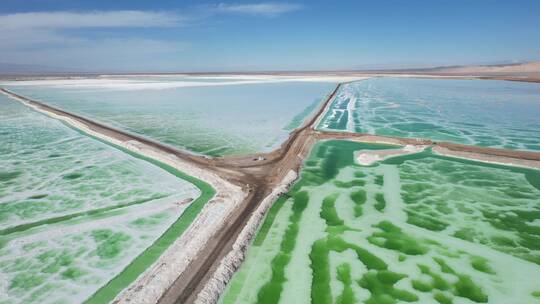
(487, 158)
(369, 157)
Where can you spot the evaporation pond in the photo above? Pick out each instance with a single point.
(74, 212)
(493, 113)
(214, 116)
(418, 228)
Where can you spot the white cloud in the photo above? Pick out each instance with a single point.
(65, 20)
(267, 9)
(45, 29)
(52, 38)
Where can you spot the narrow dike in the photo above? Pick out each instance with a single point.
(65, 218)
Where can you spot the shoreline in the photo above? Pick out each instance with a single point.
(369, 157)
(486, 158)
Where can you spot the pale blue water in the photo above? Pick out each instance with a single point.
(74, 212)
(489, 113)
(213, 120)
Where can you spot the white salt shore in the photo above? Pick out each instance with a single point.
(368, 157)
(492, 159)
(160, 83)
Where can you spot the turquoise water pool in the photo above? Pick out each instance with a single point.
(502, 114)
(211, 119)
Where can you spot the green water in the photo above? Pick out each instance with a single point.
(80, 218)
(392, 233)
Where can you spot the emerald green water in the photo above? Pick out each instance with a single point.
(503, 114)
(393, 232)
(81, 219)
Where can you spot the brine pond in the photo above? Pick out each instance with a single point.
(213, 116)
(81, 219)
(491, 113)
(419, 228)
(75, 213)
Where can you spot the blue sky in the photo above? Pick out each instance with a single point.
(143, 36)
